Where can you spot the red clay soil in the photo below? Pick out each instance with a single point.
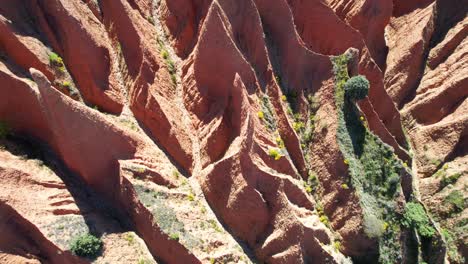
(213, 94)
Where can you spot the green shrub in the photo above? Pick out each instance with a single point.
(415, 217)
(298, 126)
(86, 246)
(4, 130)
(337, 245)
(280, 142)
(151, 20)
(357, 87)
(274, 153)
(455, 200)
(446, 180)
(55, 59)
(267, 113)
(165, 54)
(174, 236)
(373, 226)
(67, 85)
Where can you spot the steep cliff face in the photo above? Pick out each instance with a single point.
(180, 131)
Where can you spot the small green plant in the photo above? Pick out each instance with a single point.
(171, 67)
(176, 174)
(4, 130)
(416, 217)
(447, 180)
(344, 186)
(174, 79)
(66, 84)
(337, 245)
(174, 236)
(436, 162)
(260, 115)
(452, 249)
(280, 142)
(274, 153)
(312, 183)
(215, 226)
(298, 126)
(86, 246)
(191, 197)
(455, 200)
(151, 20)
(324, 220)
(357, 87)
(130, 238)
(56, 61)
(144, 261)
(165, 54)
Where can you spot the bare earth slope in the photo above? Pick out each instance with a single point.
(220, 131)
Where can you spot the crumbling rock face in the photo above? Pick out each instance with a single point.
(370, 19)
(426, 77)
(150, 90)
(183, 19)
(71, 27)
(221, 132)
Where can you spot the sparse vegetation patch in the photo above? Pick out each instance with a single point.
(374, 169)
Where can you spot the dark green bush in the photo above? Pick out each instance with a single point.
(86, 246)
(415, 217)
(357, 87)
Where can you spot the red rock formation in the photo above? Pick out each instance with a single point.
(71, 27)
(151, 93)
(370, 19)
(426, 75)
(383, 118)
(221, 91)
(401, 7)
(183, 19)
(340, 205)
(250, 204)
(26, 51)
(405, 61)
(21, 238)
(159, 243)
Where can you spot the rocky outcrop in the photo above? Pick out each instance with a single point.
(61, 211)
(71, 26)
(151, 92)
(223, 131)
(405, 61)
(383, 118)
(183, 19)
(251, 206)
(426, 78)
(370, 18)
